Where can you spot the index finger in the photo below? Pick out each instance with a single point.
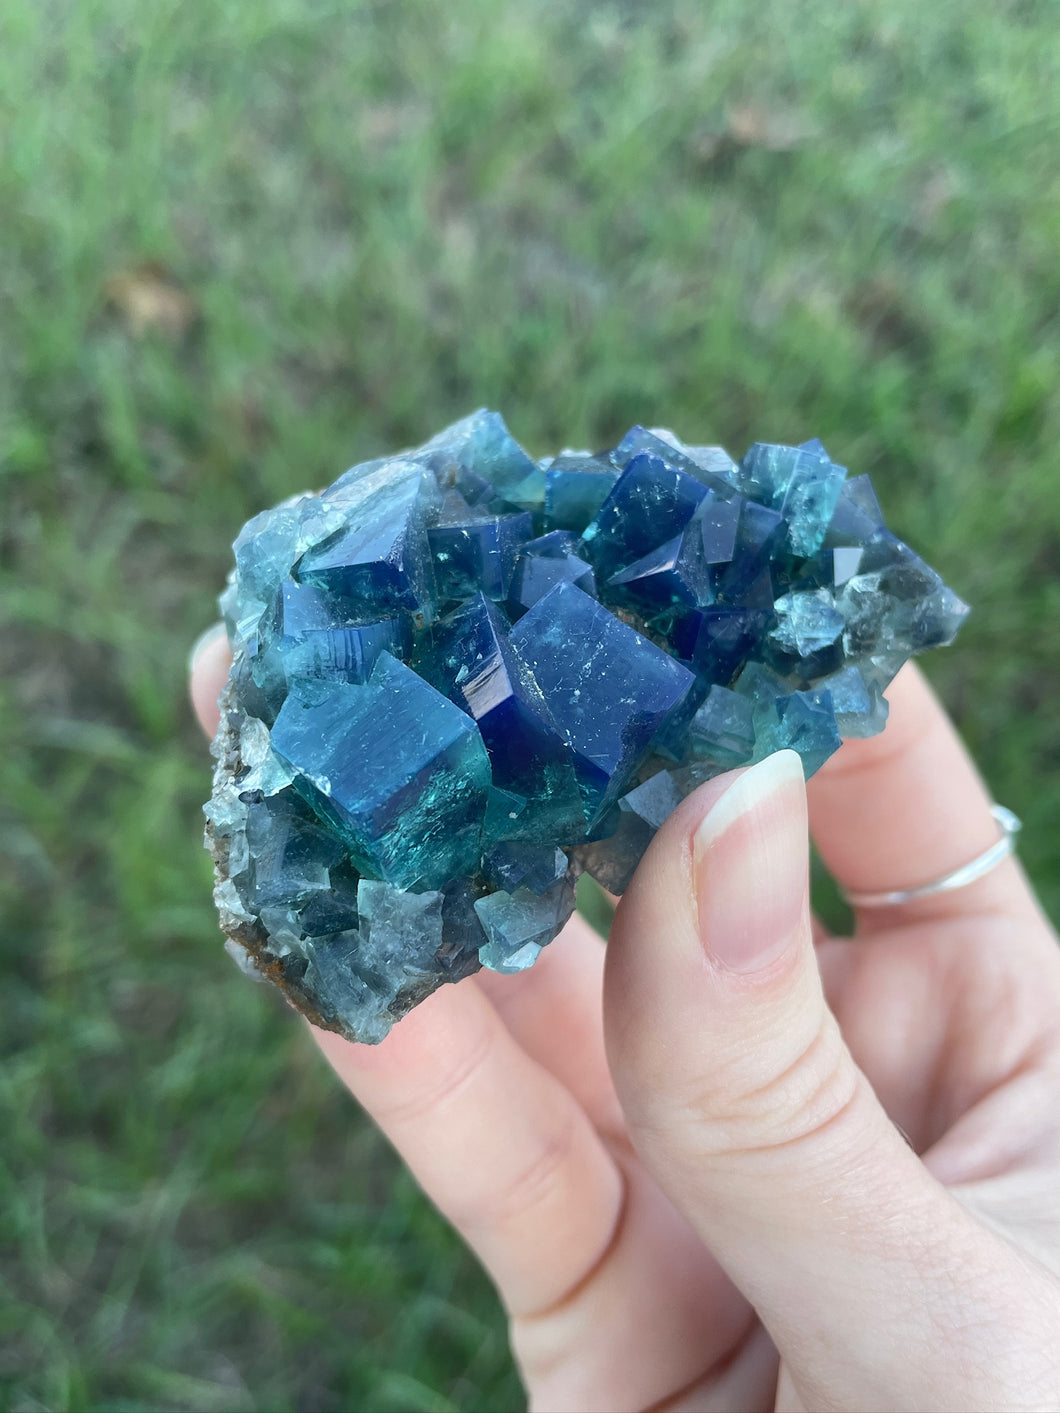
(208, 666)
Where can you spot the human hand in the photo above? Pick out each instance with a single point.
(752, 1166)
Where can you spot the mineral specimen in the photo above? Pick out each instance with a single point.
(462, 677)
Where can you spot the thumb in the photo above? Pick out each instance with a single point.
(744, 1101)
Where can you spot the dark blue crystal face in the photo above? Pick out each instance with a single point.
(380, 558)
(462, 676)
(637, 686)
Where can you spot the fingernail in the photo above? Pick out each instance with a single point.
(204, 641)
(750, 857)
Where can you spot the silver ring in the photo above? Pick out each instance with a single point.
(959, 878)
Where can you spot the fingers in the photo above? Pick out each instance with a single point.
(555, 1011)
(613, 1301)
(495, 1141)
(906, 808)
(743, 1099)
(208, 667)
(657, 1316)
(500, 1146)
(495, 1116)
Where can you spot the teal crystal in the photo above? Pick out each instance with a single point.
(461, 677)
(722, 730)
(576, 486)
(393, 769)
(518, 925)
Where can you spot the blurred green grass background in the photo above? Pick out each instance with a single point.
(246, 242)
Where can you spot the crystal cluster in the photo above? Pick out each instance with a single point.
(462, 677)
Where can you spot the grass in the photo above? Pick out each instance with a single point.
(243, 244)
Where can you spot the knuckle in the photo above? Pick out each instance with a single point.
(449, 1085)
(533, 1181)
(804, 1099)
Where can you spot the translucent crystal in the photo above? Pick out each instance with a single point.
(569, 641)
(478, 667)
(518, 925)
(575, 489)
(542, 564)
(722, 730)
(380, 557)
(650, 503)
(477, 555)
(801, 483)
(396, 771)
(612, 860)
(462, 676)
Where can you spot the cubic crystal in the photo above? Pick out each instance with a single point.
(568, 640)
(462, 676)
(393, 768)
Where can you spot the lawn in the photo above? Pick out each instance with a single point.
(244, 243)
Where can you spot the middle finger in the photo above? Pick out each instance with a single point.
(908, 807)
(498, 1144)
(555, 1012)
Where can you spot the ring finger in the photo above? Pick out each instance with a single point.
(908, 807)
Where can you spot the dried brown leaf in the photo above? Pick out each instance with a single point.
(777, 130)
(149, 299)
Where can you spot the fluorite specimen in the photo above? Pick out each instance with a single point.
(462, 677)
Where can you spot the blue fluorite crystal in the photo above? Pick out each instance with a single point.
(476, 554)
(380, 558)
(542, 564)
(722, 729)
(461, 677)
(478, 667)
(575, 489)
(565, 638)
(801, 483)
(651, 502)
(519, 924)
